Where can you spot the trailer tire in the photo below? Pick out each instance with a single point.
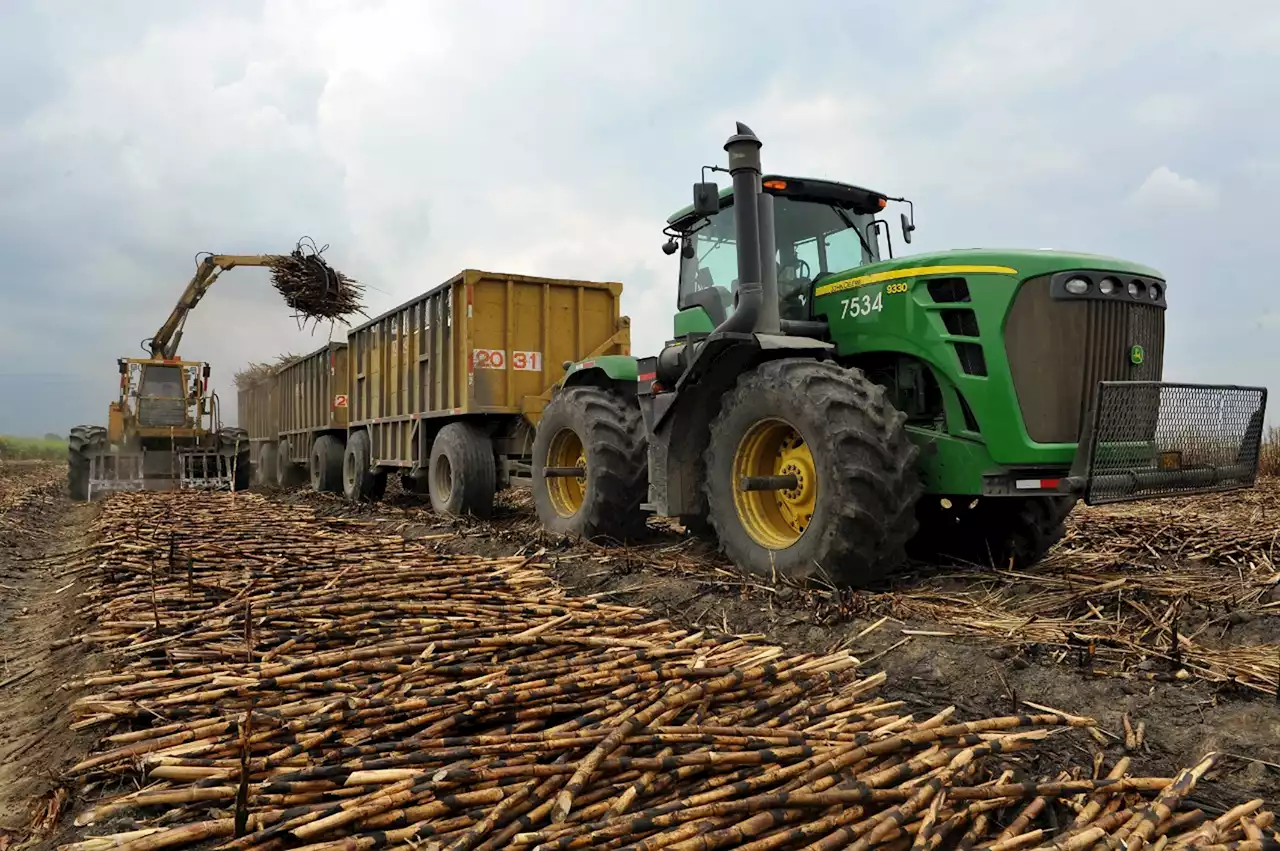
(602, 428)
(462, 472)
(326, 464)
(359, 482)
(264, 472)
(834, 429)
(992, 532)
(288, 474)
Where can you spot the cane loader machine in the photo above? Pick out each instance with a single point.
(165, 431)
(823, 410)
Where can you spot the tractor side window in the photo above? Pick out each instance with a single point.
(163, 382)
(709, 279)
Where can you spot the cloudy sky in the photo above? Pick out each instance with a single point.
(553, 137)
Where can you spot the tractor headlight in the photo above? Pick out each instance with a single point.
(1137, 289)
(1154, 292)
(1077, 286)
(1109, 286)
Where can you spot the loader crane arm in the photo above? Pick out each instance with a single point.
(165, 342)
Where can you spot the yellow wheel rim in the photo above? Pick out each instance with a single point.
(775, 519)
(567, 494)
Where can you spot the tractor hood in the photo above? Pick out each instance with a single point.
(1025, 263)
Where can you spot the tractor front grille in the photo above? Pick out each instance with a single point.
(1060, 348)
(159, 412)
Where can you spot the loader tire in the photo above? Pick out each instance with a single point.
(359, 483)
(1001, 532)
(853, 508)
(462, 472)
(601, 430)
(83, 440)
(326, 464)
(265, 470)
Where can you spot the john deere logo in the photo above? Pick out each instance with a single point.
(1136, 355)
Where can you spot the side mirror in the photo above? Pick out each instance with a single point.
(206, 370)
(669, 247)
(706, 199)
(907, 228)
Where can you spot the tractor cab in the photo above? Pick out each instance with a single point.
(822, 228)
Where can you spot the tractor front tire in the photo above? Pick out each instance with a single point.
(83, 440)
(853, 507)
(359, 482)
(462, 473)
(1002, 532)
(233, 445)
(326, 464)
(600, 430)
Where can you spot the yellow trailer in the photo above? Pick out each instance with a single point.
(259, 415)
(313, 411)
(446, 389)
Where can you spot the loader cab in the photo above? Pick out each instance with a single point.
(822, 228)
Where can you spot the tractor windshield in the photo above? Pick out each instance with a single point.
(814, 239)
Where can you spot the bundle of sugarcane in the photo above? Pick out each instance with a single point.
(285, 681)
(312, 287)
(256, 373)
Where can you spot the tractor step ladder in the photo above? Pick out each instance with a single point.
(205, 470)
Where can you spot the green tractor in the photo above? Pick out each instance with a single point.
(822, 409)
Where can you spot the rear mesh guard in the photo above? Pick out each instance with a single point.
(1151, 439)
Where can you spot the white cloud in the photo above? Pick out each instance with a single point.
(1166, 190)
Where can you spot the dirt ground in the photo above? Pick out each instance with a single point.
(944, 636)
(39, 526)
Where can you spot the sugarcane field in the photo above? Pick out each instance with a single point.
(284, 669)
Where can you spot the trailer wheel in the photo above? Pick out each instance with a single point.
(601, 432)
(462, 472)
(326, 464)
(82, 440)
(264, 473)
(358, 481)
(288, 475)
(997, 531)
(851, 508)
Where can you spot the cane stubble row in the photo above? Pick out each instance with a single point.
(285, 681)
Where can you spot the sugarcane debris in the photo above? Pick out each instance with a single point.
(310, 683)
(313, 288)
(256, 373)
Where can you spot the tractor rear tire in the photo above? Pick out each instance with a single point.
(853, 509)
(83, 440)
(326, 464)
(601, 430)
(288, 474)
(359, 482)
(462, 473)
(265, 470)
(1000, 532)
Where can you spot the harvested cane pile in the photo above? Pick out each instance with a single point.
(284, 681)
(256, 373)
(313, 288)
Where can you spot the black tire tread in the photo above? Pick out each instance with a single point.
(81, 440)
(617, 463)
(474, 471)
(326, 464)
(870, 501)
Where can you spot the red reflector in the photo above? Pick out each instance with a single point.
(1050, 484)
(647, 376)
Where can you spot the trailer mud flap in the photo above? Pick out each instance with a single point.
(1151, 439)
